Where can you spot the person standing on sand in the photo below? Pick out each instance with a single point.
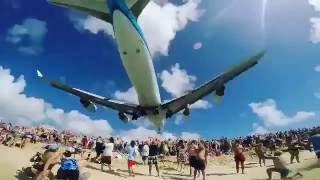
(99, 147)
(200, 161)
(154, 151)
(145, 152)
(181, 149)
(239, 157)
(133, 153)
(107, 153)
(293, 149)
(192, 151)
(260, 151)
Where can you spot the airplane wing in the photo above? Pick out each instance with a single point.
(216, 85)
(87, 98)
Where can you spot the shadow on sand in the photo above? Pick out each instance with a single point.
(220, 174)
(22, 176)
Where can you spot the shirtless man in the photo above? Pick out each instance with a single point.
(279, 166)
(260, 151)
(192, 151)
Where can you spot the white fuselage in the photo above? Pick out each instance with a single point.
(137, 61)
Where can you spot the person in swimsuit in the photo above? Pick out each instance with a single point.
(192, 151)
(239, 157)
(200, 161)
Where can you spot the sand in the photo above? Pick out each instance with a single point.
(221, 168)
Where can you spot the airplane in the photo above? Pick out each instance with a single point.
(137, 61)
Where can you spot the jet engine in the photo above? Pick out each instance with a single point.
(123, 118)
(186, 111)
(219, 93)
(91, 107)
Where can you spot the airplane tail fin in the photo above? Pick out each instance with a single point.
(99, 8)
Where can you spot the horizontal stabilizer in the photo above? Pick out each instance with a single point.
(96, 8)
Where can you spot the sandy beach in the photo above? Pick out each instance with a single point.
(220, 168)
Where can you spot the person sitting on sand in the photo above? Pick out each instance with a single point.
(239, 157)
(260, 151)
(69, 169)
(133, 152)
(279, 166)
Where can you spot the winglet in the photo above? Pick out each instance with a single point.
(39, 74)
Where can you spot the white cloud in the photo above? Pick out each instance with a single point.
(315, 23)
(142, 133)
(259, 129)
(201, 104)
(190, 136)
(28, 36)
(178, 82)
(317, 68)
(128, 96)
(91, 24)
(173, 18)
(197, 45)
(315, 30)
(160, 21)
(315, 4)
(269, 113)
(20, 109)
(317, 95)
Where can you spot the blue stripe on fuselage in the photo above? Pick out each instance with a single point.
(122, 6)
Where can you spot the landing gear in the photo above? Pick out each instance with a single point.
(134, 117)
(156, 112)
(186, 112)
(169, 114)
(123, 117)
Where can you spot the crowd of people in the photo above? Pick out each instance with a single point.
(63, 148)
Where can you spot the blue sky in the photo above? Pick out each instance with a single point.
(204, 39)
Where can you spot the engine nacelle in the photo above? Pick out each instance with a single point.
(124, 118)
(91, 107)
(186, 111)
(220, 91)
